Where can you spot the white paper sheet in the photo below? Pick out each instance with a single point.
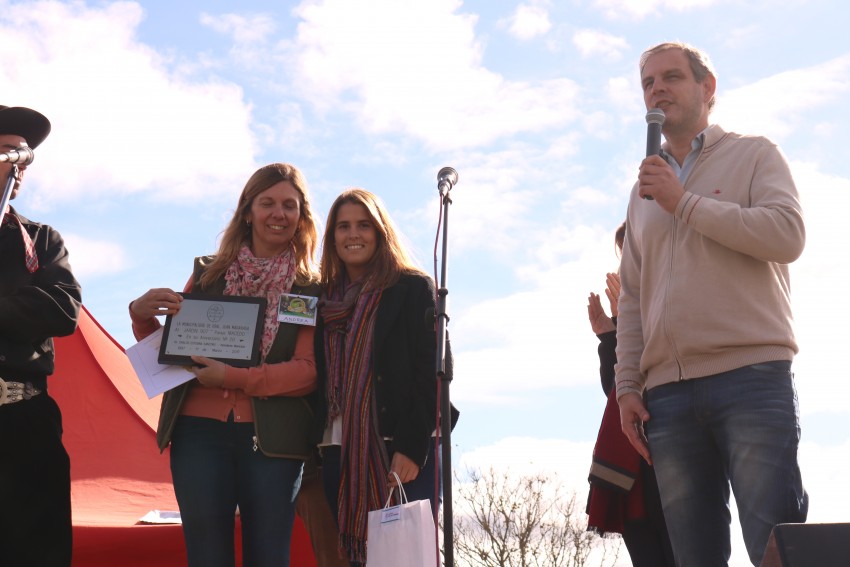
(161, 517)
(156, 378)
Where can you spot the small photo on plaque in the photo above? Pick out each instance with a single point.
(298, 309)
(223, 327)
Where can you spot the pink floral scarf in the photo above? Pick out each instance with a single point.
(249, 276)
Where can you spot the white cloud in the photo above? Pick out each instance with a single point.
(250, 35)
(528, 455)
(739, 38)
(594, 43)
(91, 258)
(529, 20)
(242, 29)
(757, 107)
(497, 201)
(513, 347)
(416, 70)
(628, 9)
(817, 278)
(625, 96)
(133, 124)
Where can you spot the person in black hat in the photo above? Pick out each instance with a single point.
(39, 299)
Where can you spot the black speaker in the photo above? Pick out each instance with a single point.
(808, 545)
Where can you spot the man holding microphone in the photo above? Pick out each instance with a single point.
(705, 333)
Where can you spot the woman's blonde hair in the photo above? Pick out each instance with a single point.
(391, 258)
(238, 231)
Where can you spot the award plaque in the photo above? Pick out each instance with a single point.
(224, 327)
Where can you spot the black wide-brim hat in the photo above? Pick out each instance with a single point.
(24, 122)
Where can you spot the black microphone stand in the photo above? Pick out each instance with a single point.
(446, 179)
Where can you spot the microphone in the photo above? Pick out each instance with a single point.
(654, 120)
(21, 156)
(446, 179)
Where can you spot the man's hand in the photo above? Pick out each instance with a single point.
(633, 414)
(658, 180)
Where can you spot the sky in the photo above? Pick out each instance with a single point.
(162, 110)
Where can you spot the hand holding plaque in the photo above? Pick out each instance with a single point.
(223, 327)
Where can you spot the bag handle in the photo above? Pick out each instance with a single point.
(402, 494)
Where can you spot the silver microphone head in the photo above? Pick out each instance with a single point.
(20, 156)
(446, 179)
(655, 116)
(447, 174)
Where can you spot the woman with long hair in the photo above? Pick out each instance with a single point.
(227, 447)
(376, 359)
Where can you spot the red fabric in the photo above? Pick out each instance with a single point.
(117, 472)
(607, 507)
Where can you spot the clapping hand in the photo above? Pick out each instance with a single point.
(599, 321)
(612, 280)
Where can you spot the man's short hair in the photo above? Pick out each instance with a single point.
(700, 63)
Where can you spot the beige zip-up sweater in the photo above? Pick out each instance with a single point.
(707, 290)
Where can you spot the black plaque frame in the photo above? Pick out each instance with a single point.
(166, 350)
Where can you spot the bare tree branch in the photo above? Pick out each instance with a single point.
(502, 520)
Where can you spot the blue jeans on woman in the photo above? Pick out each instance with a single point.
(215, 468)
(739, 427)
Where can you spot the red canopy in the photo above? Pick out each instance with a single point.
(117, 472)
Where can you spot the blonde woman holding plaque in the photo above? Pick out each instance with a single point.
(228, 447)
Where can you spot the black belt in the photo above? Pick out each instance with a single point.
(11, 392)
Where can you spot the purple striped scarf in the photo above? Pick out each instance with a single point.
(349, 318)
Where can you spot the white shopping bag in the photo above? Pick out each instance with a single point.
(403, 535)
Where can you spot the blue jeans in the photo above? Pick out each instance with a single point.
(739, 427)
(215, 468)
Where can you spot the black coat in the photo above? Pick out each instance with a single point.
(404, 366)
(34, 307)
(607, 359)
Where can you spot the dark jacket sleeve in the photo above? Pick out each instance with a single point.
(35, 307)
(405, 366)
(607, 359)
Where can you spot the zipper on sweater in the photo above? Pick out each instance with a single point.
(256, 446)
(675, 228)
(674, 233)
